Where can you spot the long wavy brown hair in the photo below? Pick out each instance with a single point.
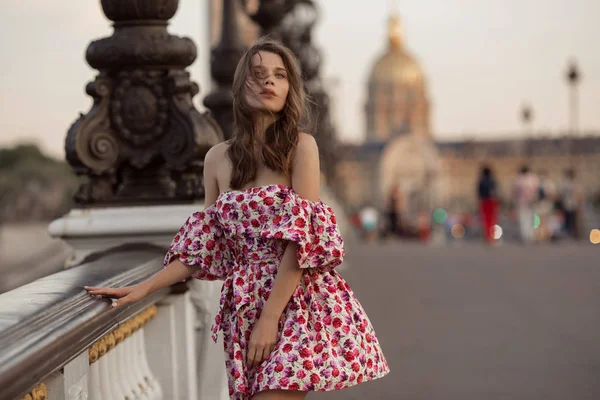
(281, 137)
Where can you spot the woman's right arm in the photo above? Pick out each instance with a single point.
(176, 271)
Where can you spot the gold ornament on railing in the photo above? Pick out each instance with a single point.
(117, 335)
(102, 347)
(40, 392)
(110, 341)
(93, 353)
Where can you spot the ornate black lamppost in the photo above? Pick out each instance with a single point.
(142, 141)
(224, 59)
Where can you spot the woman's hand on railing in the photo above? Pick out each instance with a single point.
(124, 295)
(175, 272)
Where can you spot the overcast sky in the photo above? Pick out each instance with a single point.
(482, 60)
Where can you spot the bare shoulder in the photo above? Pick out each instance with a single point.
(307, 147)
(216, 154)
(216, 165)
(306, 174)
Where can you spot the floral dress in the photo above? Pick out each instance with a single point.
(325, 340)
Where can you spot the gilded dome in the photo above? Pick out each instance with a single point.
(396, 66)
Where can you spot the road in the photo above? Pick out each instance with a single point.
(477, 323)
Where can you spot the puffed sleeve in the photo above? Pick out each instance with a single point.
(201, 245)
(313, 227)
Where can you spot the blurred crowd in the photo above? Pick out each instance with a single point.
(536, 209)
(544, 209)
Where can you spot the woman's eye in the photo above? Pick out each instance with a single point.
(280, 75)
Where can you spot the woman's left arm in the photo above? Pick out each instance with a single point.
(306, 178)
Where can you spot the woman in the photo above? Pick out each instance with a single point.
(486, 190)
(290, 322)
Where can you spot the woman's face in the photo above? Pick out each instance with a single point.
(269, 90)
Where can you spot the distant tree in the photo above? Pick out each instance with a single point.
(33, 186)
(27, 152)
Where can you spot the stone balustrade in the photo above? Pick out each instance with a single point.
(58, 342)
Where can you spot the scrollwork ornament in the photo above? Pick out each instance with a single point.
(90, 143)
(103, 150)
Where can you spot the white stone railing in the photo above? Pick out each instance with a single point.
(58, 342)
(118, 364)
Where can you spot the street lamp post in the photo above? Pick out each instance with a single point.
(573, 78)
(527, 117)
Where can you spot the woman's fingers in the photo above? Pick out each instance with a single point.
(120, 292)
(103, 292)
(125, 295)
(257, 353)
(251, 355)
(265, 353)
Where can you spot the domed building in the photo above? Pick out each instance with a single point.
(398, 156)
(397, 101)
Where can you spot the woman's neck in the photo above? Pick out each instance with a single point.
(261, 123)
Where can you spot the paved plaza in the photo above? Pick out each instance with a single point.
(478, 323)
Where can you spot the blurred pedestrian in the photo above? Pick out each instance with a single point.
(488, 203)
(394, 212)
(369, 217)
(547, 194)
(526, 194)
(571, 200)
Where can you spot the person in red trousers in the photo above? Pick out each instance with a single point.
(488, 203)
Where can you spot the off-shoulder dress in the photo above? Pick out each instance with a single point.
(326, 341)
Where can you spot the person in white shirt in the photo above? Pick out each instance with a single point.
(526, 193)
